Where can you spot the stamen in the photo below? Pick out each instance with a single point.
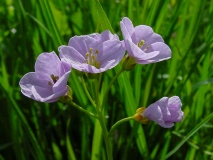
(87, 54)
(141, 43)
(54, 78)
(147, 47)
(91, 58)
(49, 83)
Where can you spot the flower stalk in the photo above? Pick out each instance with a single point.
(118, 123)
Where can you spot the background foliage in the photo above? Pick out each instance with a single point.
(33, 130)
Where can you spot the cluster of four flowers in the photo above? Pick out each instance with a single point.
(96, 53)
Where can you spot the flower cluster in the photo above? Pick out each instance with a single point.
(96, 53)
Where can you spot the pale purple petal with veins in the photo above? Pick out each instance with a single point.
(49, 81)
(139, 55)
(147, 34)
(165, 111)
(127, 29)
(94, 53)
(143, 38)
(47, 64)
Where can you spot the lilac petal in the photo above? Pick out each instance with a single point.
(41, 95)
(65, 67)
(154, 113)
(146, 33)
(71, 56)
(166, 124)
(165, 51)
(165, 111)
(133, 50)
(93, 35)
(61, 83)
(158, 111)
(83, 43)
(113, 59)
(91, 69)
(109, 64)
(47, 64)
(127, 29)
(56, 95)
(147, 58)
(139, 55)
(105, 36)
(29, 80)
(163, 104)
(175, 105)
(110, 50)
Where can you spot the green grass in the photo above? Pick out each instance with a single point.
(34, 130)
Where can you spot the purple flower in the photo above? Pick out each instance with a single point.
(49, 81)
(93, 53)
(165, 111)
(143, 44)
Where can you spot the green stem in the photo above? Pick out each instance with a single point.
(83, 110)
(118, 123)
(105, 135)
(109, 86)
(87, 92)
(101, 120)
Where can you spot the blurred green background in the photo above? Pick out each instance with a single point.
(34, 130)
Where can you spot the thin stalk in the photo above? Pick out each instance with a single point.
(109, 86)
(118, 123)
(83, 110)
(105, 135)
(101, 121)
(87, 92)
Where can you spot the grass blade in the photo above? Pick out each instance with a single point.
(193, 131)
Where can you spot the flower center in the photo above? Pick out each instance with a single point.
(141, 44)
(54, 78)
(91, 58)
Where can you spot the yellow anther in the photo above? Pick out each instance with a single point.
(87, 54)
(141, 43)
(54, 78)
(96, 51)
(93, 57)
(90, 50)
(49, 83)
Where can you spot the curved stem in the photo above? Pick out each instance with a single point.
(109, 86)
(83, 110)
(118, 123)
(87, 92)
